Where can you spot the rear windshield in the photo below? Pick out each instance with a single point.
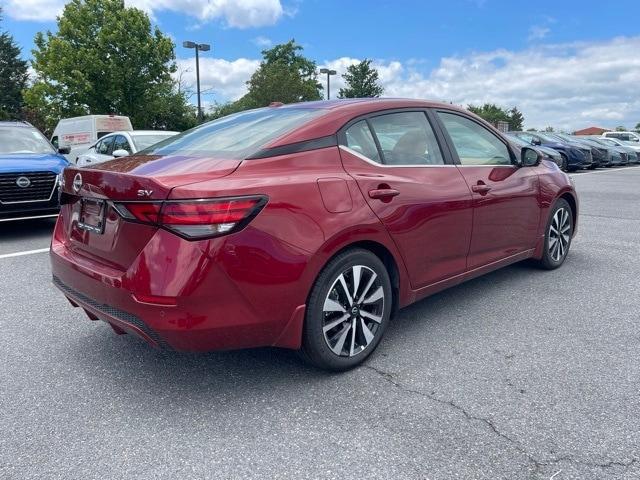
(15, 140)
(236, 136)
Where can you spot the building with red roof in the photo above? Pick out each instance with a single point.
(591, 131)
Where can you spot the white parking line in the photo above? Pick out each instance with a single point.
(618, 169)
(26, 252)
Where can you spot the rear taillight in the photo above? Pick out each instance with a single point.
(195, 219)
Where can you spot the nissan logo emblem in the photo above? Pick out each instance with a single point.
(23, 182)
(77, 183)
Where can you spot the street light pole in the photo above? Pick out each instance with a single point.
(329, 73)
(199, 47)
(198, 83)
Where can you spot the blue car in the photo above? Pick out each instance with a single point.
(574, 156)
(30, 173)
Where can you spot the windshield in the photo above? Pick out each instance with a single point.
(518, 140)
(607, 141)
(145, 141)
(548, 137)
(236, 136)
(565, 138)
(23, 140)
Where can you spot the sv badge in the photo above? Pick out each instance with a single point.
(145, 193)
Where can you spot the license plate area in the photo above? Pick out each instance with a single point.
(92, 215)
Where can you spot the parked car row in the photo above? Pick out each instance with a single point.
(584, 152)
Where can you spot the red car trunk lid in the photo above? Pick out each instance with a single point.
(103, 235)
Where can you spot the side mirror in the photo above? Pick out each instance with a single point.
(529, 157)
(536, 141)
(64, 150)
(120, 153)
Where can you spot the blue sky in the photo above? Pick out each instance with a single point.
(459, 50)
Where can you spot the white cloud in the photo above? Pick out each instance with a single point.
(538, 32)
(223, 79)
(569, 86)
(35, 10)
(234, 13)
(261, 41)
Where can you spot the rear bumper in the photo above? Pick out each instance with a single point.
(116, 317)
(218, 305)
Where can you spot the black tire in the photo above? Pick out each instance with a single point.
(555, 251)
(565, 163)
(326, 299)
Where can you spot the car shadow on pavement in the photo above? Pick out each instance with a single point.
(26, 229)
(132, 363)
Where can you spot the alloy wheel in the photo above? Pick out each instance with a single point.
(353, 311)
(559, 234)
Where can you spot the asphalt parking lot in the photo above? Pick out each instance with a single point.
(518, 374)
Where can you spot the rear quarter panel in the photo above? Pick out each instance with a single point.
(286, 246)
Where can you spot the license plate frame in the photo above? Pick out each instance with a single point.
(92, 215)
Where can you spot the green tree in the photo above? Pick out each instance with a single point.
(493, 114)
(106, 58)
(516, 119)
(621, 128)
(531, 130)
(284, 76)
(13, 76)
(224, 109)
(361, 81)
(637, 129)
(549, 129)
(490, 112)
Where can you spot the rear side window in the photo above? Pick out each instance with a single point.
(236, 136)
(474, 144)
(360, 139)
(406, 138)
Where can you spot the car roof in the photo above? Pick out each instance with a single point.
(338, 112)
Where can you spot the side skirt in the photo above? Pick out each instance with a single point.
(468, 275)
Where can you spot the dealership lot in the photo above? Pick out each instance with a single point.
(518, 374)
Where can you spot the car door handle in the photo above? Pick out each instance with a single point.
(480, 188)
(383, 193)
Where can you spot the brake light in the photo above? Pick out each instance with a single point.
(147, 212)
(195, 219)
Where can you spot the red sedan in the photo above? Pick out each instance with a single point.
(303, 226)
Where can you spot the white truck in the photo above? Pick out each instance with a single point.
(80, 133)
